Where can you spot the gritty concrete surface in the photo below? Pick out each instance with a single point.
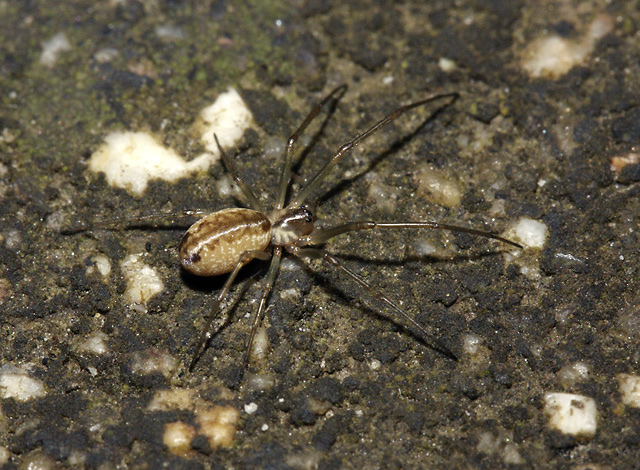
(340, 386)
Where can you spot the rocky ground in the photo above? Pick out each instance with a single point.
(98, 326)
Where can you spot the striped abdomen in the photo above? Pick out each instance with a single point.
(214, 244)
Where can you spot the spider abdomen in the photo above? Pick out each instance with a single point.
(215, 243)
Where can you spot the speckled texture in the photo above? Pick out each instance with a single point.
(517, 147)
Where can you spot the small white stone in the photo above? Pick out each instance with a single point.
(571, 414)
(260, 382)
(250, 408)
(16, 383)
(553, 56)
(169, 32)
(228, 117)
(175, 398)
(95, 344)
(37, 460)
(487, 443)
(226, 187)
(382, 196)
(5, 455)
(306, 459)
(529, 232)
(143, 282)
(629, 389)
(177, 437)
(375, 364)
(510, 454)
(573, 373)
(447, 65)
(102, 264)
(291, 294)
(13, 239)
(52, 48)
(153, 360)
(77, 459)
(471, 343)
(260, 346)
(423, 248)
(107, 54)
(218, 424)
(436, 186)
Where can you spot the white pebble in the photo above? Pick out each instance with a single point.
(629, 389)
(260, 346)
(5, 455)
(260, 382)
(383, 196)
(471, 343)
(77, 459)
(447, 65)
(130, 160)
(143, 282)
(529, 232)
(175, 398)
(571, 414)
(95, 344)
(552, 56)
(102, 264)
(226, 187)
(228, 117)
(16, 383)
(169, 32)
(487, 443)
(423, 248)
(107, 54)
(510, 454)
(37, 460)
(218, 424)
(250, 408)
(153, 360)
(52, 48)
(13, 239)
(177, 437)
(573, 373)
(438, 187)
(291, 294)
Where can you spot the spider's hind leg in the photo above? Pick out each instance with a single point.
(266, 290)
(206, 333)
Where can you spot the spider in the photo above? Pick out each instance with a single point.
(223, 242)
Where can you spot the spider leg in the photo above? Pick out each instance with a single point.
(429, 339)
(204, 338)
(321, 236)
(266, 290)
(285, 175)
(313, 184)
(253, 200)
(124, 222)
